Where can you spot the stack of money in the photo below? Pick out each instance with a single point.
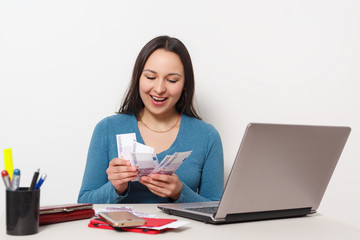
(144, 157)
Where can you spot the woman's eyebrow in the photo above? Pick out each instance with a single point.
(169, 74)
(149, 70)
(172, 74)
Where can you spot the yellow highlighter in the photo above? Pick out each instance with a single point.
(8, 161)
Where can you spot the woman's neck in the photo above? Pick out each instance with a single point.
(158, 122)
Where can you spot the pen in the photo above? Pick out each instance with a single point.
(16, 180)
(35, 177)
(41, 180)
(8, 162)
(5, 176)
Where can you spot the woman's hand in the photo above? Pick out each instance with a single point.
(163, 185)
(120, 172)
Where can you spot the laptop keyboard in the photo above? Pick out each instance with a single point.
(210, 210)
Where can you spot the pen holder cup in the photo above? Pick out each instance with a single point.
(22, 211)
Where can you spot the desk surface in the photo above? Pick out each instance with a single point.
(311, 227)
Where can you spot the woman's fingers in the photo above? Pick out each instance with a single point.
(163, 185)
(120, 172)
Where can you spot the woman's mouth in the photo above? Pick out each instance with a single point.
(158, 99)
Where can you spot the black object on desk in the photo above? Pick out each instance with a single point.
(22, 211)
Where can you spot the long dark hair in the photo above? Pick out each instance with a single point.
(132, 103)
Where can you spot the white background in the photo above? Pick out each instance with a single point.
(64, 65)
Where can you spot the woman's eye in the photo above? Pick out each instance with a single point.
(150, 78)
(172, 81)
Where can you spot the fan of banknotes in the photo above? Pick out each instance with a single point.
(144, 157)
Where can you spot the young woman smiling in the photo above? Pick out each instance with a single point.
(158, 108)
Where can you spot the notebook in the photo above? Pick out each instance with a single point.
(280, 171)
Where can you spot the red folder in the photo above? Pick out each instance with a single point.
(157, 222)
(65, 212)
(150, 222)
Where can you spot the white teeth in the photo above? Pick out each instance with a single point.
(158, 99)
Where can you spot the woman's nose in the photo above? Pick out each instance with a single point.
(160, 87)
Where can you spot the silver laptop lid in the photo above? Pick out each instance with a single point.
(282, 167)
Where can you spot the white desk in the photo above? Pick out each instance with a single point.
(312, 227)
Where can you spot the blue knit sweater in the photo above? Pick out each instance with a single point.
(202, 174)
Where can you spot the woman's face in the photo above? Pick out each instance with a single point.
(162, 82)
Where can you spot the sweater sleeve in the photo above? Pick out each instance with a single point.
(96, 188)
(212, 178)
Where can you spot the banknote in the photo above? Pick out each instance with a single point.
(125, 142)
(171, 163)
(145, 163)
(138, 147)
(145, 158)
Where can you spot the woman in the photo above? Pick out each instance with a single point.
(158, 108)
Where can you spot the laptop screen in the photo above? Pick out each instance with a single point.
(282, 167)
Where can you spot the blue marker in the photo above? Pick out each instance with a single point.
(16, 180)
(41, 180)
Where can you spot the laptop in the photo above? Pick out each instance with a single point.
(280, 171)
